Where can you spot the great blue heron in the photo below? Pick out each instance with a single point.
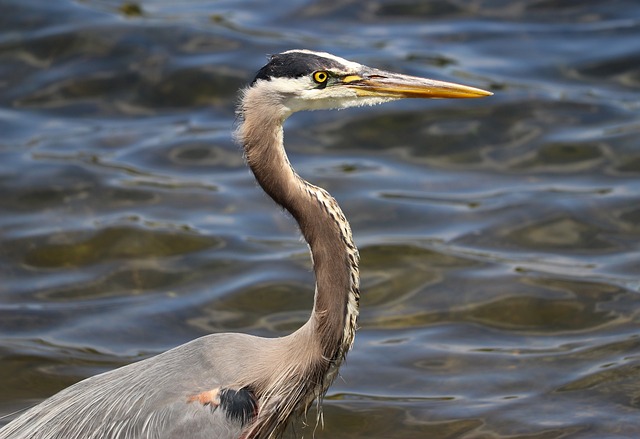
(231, 386)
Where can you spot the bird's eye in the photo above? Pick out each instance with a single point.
(320, 77)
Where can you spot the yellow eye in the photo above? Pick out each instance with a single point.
(320, 77)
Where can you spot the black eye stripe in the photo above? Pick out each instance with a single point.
(295, 65)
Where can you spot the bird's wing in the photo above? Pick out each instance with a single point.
(152, 399)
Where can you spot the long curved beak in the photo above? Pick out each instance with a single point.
(378, 83)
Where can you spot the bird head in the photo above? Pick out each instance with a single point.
(299, 80)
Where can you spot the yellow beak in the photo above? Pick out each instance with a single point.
(373, 82)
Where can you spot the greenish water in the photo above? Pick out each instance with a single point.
(500, 238)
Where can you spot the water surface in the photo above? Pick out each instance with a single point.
(499, 237)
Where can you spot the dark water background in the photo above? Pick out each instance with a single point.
(500, 237)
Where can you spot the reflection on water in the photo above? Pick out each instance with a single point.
(499, 237)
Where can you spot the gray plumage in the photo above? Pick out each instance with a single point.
(236, 386)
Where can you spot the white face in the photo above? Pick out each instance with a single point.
(299, 94)
(305, 93)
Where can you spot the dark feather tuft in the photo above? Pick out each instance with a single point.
(239, 405)
(295, 65)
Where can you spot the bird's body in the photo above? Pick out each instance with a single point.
(147, 399)
(237, 386)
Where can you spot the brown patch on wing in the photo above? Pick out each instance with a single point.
(208, 397)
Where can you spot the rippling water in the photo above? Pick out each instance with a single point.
(499, 237)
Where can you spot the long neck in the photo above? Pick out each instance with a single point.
(322, 223)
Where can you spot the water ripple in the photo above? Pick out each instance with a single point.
(499, 237)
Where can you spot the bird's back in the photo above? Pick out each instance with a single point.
(148, 399)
